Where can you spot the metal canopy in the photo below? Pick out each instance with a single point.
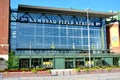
(63, 11)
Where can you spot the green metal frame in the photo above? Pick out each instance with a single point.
(59, 61)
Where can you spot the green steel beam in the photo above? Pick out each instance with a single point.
(102, 37)
(59, 61)
(70, 56)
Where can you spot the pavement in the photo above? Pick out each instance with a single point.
(104, 76)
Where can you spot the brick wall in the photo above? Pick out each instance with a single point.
(114, 37)
(4, 27)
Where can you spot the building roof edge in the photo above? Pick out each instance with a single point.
(63, 11)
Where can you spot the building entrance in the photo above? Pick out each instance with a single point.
(69, 64)
(24, 63)
(79, 63)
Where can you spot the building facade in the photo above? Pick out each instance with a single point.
(113, 33)
(4, 31)
(59, 38)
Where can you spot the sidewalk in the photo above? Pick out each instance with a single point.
(105, 76)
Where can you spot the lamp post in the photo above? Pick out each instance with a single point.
(88, 27)
(30, 45)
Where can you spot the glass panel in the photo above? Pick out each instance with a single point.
(63, 36)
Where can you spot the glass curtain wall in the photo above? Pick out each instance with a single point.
(62, 36)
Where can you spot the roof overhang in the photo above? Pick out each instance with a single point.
(63, 11)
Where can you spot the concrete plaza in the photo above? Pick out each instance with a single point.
(105, 76)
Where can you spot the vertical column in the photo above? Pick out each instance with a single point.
(30, 61)
(43, 35)
(102, 35)
(84, 62)
(114, 38)
(81, 36)
(54, 62)
(119, 62)
(67, 35)
(94, 61)
(42, 62)
(74, 62)
(59, 35)
(4, 28)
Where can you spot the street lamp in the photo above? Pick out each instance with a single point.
(88, 27)
(30, 46)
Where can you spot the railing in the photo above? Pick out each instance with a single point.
(57, 52)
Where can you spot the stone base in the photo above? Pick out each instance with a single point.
(3, 59)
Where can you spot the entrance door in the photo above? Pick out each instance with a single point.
(24, 63)
(69, 64)
(79, 63)
(35, 63)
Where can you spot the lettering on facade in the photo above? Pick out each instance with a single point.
(64, 22)
(24, 19)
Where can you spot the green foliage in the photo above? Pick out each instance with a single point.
(12, 61)
(114, 67)
(40, 69)
(49, 71)
(92, 69)
(96, 67)
(116, 61)
(104, 67)
(78, 69)
(15, 69)
(25, 69)
(34, 70)
(109, 69)
(86, 70)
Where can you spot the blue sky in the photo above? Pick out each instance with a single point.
(94, 5)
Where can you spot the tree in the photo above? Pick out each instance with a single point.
(12, 61)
